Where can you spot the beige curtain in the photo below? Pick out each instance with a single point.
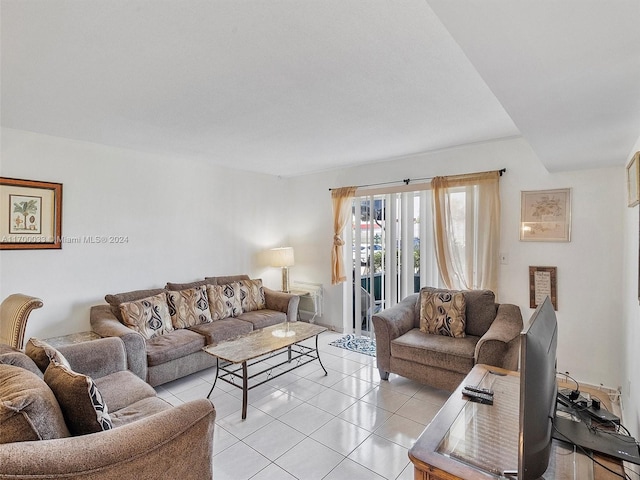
(341, 199)
(473, 265)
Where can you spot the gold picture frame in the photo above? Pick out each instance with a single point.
(30, 214)
(545, 215)
(543, 283)
(633, 181)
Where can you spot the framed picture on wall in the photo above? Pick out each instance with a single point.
(543, 283)
(545, 215)
(633, 181)
(30, 214)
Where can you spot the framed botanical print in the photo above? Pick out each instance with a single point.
(30, 214)
(545, 215)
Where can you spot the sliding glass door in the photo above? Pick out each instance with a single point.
(392, 252)
(393, 237)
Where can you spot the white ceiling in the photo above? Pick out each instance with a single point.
(289, 87)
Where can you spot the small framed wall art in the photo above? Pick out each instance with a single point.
(543, 283)
(633, 180)
(545, 215)
(30, 214)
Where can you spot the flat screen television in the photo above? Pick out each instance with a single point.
(538, 391)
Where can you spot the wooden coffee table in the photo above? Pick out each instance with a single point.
(270, 343)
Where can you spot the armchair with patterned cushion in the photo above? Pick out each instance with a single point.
(437, 336)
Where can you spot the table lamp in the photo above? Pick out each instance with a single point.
(282, 257)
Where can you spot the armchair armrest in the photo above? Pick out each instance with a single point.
(500, 346)
(391, 324)
(282, 302)
(105, 324)
(96, 358)
(153, 447)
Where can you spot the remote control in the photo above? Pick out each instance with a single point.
(478, 397)
(471, 388)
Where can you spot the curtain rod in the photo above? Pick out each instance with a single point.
(406, 181)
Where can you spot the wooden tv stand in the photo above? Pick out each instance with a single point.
(465, 433)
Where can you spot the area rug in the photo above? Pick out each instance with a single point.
(356, 344)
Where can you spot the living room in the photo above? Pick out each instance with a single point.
(185, 217)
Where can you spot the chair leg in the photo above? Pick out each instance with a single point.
(383, 375)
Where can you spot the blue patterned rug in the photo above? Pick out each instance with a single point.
(356, 344)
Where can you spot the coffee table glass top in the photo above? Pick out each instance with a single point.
(486, 436)
(263, 341)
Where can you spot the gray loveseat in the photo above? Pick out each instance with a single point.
(148, 439)
(491, 337)
(171, 355)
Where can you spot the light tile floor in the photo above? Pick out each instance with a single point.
(305, 425)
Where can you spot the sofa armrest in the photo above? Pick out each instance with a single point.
(105, 324)
(96, 358)
(500, 346)
(390, 324)
(175, 443)
(282, 302)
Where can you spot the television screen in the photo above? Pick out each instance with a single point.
(538, 391)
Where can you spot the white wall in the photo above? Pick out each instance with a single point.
(630, 381)
(184, 220)
(589, 281)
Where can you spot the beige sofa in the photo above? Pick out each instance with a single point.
(491, 337)
(40, 422)
(178, 353)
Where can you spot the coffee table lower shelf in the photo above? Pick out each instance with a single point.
(259, 347)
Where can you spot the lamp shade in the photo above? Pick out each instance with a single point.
(281, 257)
